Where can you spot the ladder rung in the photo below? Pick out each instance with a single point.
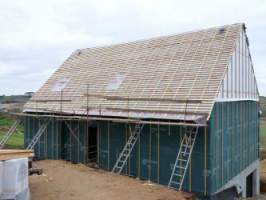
(177, 174)
(180, 167)
(118, 167)
(182, 160)
(186, 146)
(176, 183)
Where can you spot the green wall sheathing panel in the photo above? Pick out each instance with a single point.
(117, 135)
(82, 138)
(144, 153)
(233, 140)
(131, 168)
(104, 146)
(154, 154)
(168, 152)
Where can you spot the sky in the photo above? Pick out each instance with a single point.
(37, 36)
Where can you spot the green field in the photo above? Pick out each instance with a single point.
(17, 139)
(263, 133)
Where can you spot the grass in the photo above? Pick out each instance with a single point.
(263, 106)
(17, 139)
(263, 132)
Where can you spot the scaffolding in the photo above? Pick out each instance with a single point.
(187, 141)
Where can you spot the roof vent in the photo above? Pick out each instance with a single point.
(221, 30)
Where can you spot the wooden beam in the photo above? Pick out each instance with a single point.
(156, 111)
(8, 154)
(51, 100)
(121, 98)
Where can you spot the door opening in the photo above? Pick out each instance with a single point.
(92, 145)
(249, 185)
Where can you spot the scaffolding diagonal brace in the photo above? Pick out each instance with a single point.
(38, 135)
(72, 132)
(9, 133)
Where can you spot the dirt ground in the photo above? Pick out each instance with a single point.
(263, 176)
(62, 180)
(262, 181)
(263, 169)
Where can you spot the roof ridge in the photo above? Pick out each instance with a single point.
(156, 37)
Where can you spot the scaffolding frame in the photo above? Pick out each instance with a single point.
(65, 117)
(119, 120)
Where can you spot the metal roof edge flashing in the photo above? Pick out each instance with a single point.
(199, 123)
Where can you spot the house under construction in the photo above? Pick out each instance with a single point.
(179, 110)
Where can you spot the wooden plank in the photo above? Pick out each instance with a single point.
(121, 98)
(50, 100)
(8, 154)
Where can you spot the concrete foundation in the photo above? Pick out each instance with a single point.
(240, 181)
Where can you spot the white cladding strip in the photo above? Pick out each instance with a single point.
(239, 82)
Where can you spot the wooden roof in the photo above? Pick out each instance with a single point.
(170, 77)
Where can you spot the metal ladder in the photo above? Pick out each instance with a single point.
(38, 134)
(122, 159)
(183, 158)
(9, 133)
